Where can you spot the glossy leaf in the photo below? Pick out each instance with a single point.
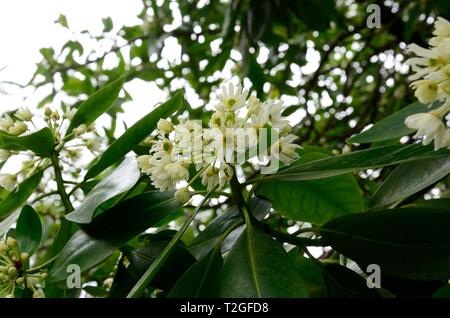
(310, 272)
(202, 279)
(207, 239)
(28, 230)
(443, 292)
(392, 239)
(41, 142)
(120, 180)
(409, 178)
(134, 135)
(96, 104)
(17, 198)
(357, 161)
(392, 126)
(94, 242)
(258, 266)
(314, 201)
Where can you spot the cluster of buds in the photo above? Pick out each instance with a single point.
(239, 124)
(17, 124)
(431, 82)
(13, 274)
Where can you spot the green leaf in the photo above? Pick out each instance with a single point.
(392, 126)
(201, 280)
(409, 178)
(342, 282)
(40, 142)
(310, 272)
(134, 135)
(107, 24)
(407, 243)
(356, 161)
(17, 198)
(258, 266)
(28, 230)
(204, 243)
(314, 201)
(96, 291)
(96, 104)
(141, 258)
(443, 292)
(95, 241)
(442, 204)
(120, 180)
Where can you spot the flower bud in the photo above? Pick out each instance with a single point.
(79, 130)
(55, 115)
(23, 113)
(4, 154)
(426, 91)
(18, 128)
(165, 126)
(38, 294)
(12, 272)
(182, 195)
(47, 112)
(8, 181)
(11, 242)
(20, 281)
(24, 257)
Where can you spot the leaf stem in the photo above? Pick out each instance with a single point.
(159, 262)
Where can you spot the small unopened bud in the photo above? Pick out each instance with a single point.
(47, 112)
(11, 242)
(4, 154)
(12, 272)
(182, 195)
(23, 113)
(38, 294)
(24, 257)
(79, 130)
(10, 296)
(20, 281)
(18, 128)
(165, 126)
(43, 275)
(55, 115)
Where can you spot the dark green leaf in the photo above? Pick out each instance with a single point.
(357, 161)
(443, 292)
(207, 239)
(201, 280)
(134, 135)
(40, 142)
(107, 24)
(258, 266)
(28, 230)
(409, 178)
(310, 272)
(95, 241)
(314, 201)
(392, 126)
(96, 104)
(406, 243)
(120, 180)
(15, 199)
(96, 291)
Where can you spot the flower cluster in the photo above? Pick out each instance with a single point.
(23, 120)
(13, 274)
(237, 131)
(431, 82)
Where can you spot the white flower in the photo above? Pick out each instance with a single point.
(284, 150)
(71, 113)
(6, 122)
(18, 128)
(225, 174)
(165, 126)
(182, 195)
(94, 144)
(426, 91)
(253, 104)
(177, 171)
(8, 181)
(23, 113)
(441, 28)
(4, 154)
(274, 110)
(80, 130)
(144, 163)
(210, 177)
(429, 126)
(232, 97)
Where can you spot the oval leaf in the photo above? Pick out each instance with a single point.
(94, 242)
(120, 180)
(392, 126)
(96, 104)
(201, 280)
(15, 199)
(134, 135)
(28, 230)
(258, 266)
(40, 142)
(409, 178)
(392, 239)
(314, 201)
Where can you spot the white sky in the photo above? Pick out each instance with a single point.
(28, 25)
